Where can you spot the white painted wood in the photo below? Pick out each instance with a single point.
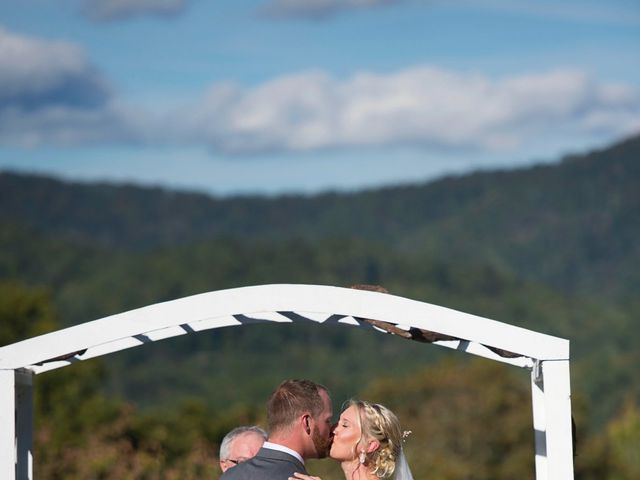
(539, 426)
(349, 321)
(209, 323)
(7, 425)
(262, 302)
(24, 425)
(319, 317)
(482, 351)
(557, 406)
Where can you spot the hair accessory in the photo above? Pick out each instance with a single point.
(405, 434)
(362, 457)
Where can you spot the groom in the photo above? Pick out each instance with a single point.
(299, 416)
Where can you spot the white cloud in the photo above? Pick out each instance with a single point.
(64, 126)
(613, 13)
(34, 72)
(421, 106)
(51, 94)
(317, 8)
(616, 13)
(109, 10)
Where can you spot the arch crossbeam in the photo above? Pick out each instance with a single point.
(269, 303)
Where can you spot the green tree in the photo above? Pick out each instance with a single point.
(24, 312)
(623, 435)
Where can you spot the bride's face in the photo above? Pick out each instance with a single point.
(346, 435)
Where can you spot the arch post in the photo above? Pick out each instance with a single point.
(8, 458)
(16, 418)
(551, 401)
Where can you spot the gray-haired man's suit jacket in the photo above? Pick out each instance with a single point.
(268, 464)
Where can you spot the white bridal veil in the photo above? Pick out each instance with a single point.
(402, 471)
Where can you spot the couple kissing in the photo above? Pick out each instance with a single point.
(366, 440)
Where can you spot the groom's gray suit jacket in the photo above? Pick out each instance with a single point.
(268, 464)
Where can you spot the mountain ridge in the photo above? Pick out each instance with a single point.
(565, 224)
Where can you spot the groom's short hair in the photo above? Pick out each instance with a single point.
(291, 399)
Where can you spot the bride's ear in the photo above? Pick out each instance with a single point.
(373, 446)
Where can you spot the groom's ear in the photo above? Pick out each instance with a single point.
(373, 446)
(305, 423)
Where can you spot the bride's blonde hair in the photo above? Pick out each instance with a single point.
(379, 423)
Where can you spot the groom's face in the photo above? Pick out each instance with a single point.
(321, 434)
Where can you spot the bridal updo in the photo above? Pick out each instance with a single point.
(379, 423)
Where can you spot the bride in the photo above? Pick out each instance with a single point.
(367, 441)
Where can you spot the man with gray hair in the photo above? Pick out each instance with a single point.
(240, 444)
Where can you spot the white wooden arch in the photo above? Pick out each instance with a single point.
(547, 357)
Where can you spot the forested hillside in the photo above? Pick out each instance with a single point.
(568, 224)
(552, 248)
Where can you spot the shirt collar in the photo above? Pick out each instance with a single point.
(282, 448)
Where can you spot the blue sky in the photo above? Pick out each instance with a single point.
(272, 96)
